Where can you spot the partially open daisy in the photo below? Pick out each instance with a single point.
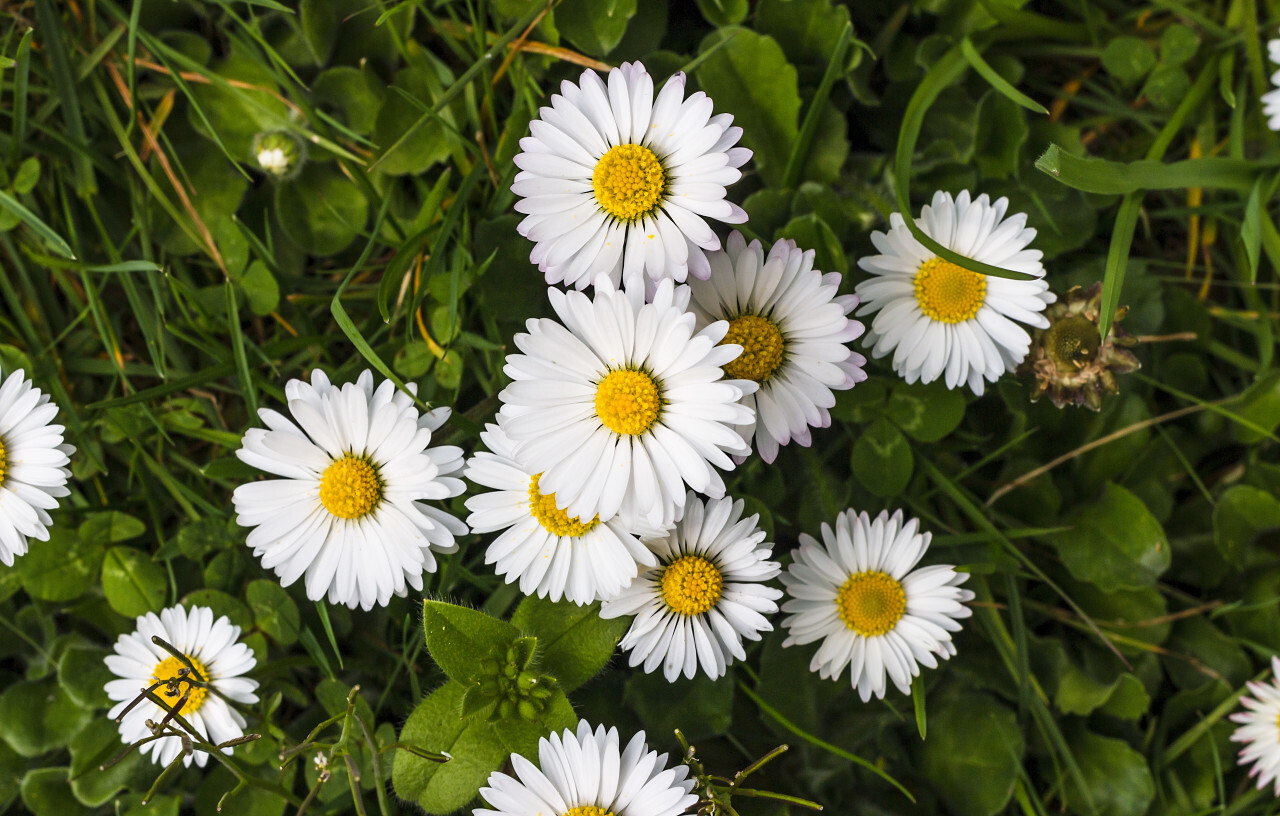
(1271, 99)
(33, 459)
(1260, 729)
(792, 327)
(210, 646)
(615, 181)
(706, 594)
(941, 320)
(551, 553)
(624, 404)
(349, 512)
(858, 593)
(590, 774)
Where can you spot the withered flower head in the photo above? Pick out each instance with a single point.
(1069, 360)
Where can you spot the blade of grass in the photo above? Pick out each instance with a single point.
(56, 51)
(54, 241)
(977, 63)
(800, 150)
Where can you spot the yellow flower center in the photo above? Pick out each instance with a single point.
(691, 585)
(169, 669)
(949, 293)
(629, 182)
(628, 401)
(871, 603)
(588, 810)
(542, 506)
(762, 347)
(350, 487)
(4, 460)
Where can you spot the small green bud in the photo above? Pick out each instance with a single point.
(506, 708)
(526, 680)
(510, 670)
(541, 692)
(528, 710)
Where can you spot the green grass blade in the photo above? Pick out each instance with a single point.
(55, 241)
(800, 150)
(977, 63)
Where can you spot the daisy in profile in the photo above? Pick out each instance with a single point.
(941, 320)
(706, 594)
(553, 555)
(211, 647)
(33, 459)
(624, 404)
(792, 327)
(1260, 729)
(858, 593)
(590, 773)
(1271, 99)
(349, 512)
(617, 181)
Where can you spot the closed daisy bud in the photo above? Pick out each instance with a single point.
(279, 154)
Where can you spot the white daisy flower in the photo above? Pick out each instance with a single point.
(211, 646)
(706, 594)
(552, 554)
(624, 404)
(349, 513)
(1260, 729)
(941, 320)
(33, 459)
(615, 181)
(590, 774)
(1271, 99)
(792, 327)
(858, 594)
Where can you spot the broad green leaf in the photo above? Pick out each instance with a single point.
(222, 604)
(45, 792)
(1079, 693)
(1128, 59)
(411, 148)
(60, 569)
(881, 460)
(1260, 405)
(1117, 776)
(274, 612)
(750, 77)
(11, 768)
(355, 92)
(24, 181)
(412, 360)
(1167, 86)
(1115, 542)
(723, 12)
(318, 20)
(926, 413)
(458, 638)
(133, 583)
(238, 112)
(84, 676)
(973, 754)
(475, 749)
(260, 288)
(1178, 44)
(199, 538)
(1243, 513)
(808, 31)
(38, 717)
(98, 742)
(595, 26)
(811, 232)
(111, 527)
(321, 211)
(574, 642)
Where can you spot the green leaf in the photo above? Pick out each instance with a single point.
(1118, 178)
(458, 638)
(926, 413)
(1178, 44)
(321, 211)
(60, 569)
(38, 717)
(222, 604)
(434, 725)
(1128, 59)
(24, 181)
(973, 755)
(1117, 777)
(1079, 693)
(881, 459)
(574, 642)
(1167, 86)
(11, 768)
(260, 288)
(45, 792)
(52, 239)
(410, 147)
(412, 360)
(595, 26)
(355, 92)
(84, 676)
(1115, 542)
(110, 528)
(722, 12)
(749, 77)
(274, 612)
(809, 32)
(811, 232)
(917, 703)
(1240, 516)
(977, 63)
(97, 743)
(133, 583)
(237, 113)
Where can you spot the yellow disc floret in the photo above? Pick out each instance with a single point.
(691, 585)
(350, 487)
(588, 810)
(949, 293)
(629, 182)
(628, 401)
(169, 669)
(762, 347)
(4, 460)
(542, 506)
(871, 603)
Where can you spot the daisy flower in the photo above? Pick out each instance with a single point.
(624, 404)
(792, 327)
(1271, 99)
(858, 593)
(941, 320)
(212, 648)
(349, 513)
(613, 180)
(590, 774)
(552, 554)
(706, 594)
(33, 458)
(1259, 729)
